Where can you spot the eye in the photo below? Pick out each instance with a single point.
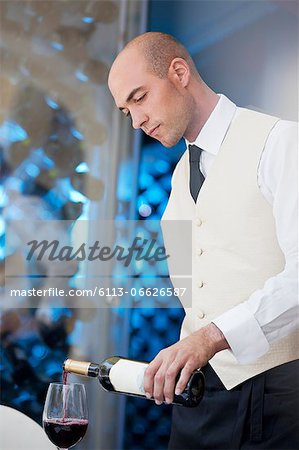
(139, 99)
(126, 113)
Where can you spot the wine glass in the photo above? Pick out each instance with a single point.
(65, 416)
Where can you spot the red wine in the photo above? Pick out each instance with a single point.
(64, 377)
(64, 381)
(65, 433)
(125, 376)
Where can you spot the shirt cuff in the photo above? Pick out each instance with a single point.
(243, 333)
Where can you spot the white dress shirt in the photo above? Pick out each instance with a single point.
(272, 312)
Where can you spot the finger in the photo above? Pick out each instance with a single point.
(170, 380)
(159, 384)
(184, 378)
(149, 375)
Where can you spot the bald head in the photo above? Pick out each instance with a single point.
(158, 50)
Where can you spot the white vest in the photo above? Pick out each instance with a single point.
(234, 226)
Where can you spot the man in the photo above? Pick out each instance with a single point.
(237, 183)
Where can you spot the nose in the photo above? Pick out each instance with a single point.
(138, 119)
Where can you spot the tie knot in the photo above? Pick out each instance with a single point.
(194, 153)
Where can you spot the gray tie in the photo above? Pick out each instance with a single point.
(196, 177)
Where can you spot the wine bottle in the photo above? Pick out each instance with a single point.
(125, 376)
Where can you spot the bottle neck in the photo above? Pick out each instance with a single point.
(93, 370)
(89, 369)
(84, 368)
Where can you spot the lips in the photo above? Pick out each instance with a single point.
(152, 131)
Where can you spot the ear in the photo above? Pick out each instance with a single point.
(179, 72)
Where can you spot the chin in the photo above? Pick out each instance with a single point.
(167, 144)
(170, 144)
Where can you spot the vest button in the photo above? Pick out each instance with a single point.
(200, 314)
(200, 284)
(198, 222)
(199, 252)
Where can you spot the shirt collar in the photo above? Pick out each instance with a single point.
(214, 130)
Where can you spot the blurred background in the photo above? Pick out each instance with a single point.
(66, 153)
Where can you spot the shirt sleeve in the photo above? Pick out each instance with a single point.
(272, 312)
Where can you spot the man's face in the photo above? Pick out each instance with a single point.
(156, 105)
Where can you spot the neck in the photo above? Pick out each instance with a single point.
(204, 102)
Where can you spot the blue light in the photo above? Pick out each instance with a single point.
(162, 166)
(140, 201)
(165, 182)
(77, 197)
(136, 321)
(155, 194)
(155, 217)
(52, 198)
(124, 186)
(57, 313)
(145, 210)
(46, 215)
(81, 76)
(161, 207)
(3, 201)
(47, 162)
(14, 184)
(75, 336)
(2, 254)
(87, 19)
(57, 46)
(32, 170)
(11, 131)
(39, 351)
(50, 102)
(2, 226)
(24, 397)
(77, 134)
(53, 368)
(82, 168)
(145, 180)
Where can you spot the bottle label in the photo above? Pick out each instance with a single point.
(127, 376)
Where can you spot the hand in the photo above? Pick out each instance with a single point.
(186, 356)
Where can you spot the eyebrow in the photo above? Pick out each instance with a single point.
(131, 95)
